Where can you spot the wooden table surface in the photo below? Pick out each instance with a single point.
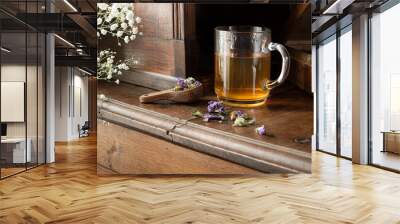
(288, 114)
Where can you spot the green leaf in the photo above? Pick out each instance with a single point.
(197, 113)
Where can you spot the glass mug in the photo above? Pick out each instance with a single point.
(243, 65)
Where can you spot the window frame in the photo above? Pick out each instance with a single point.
(337, 34)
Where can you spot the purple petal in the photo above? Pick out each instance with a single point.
(261, 130)
(215, 107)
(212, 116)
(240, 113)
(181, 83)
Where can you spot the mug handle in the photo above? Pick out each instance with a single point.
(285, 65)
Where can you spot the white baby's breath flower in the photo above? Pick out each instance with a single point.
(135, 30)
(114, 10)
(116, 6)
(102, 6)
(114, 26)
(109, 18)
(129, 16)
(126, 39)
(124, 25)
(108, 68)
(115, 20)
(116, 17)
(124, 66)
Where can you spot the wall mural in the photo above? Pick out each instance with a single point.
(185, 89)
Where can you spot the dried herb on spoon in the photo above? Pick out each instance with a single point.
(184, 84)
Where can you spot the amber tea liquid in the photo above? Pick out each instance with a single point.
(240, 80)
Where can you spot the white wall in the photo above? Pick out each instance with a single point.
(62, 81)
(71, 102)
(15, 73)
(33, 126)
(80, 96)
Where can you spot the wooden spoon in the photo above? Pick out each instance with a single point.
(180, 96)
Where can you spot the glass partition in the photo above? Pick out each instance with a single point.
(385, 89)
(14, 145)
(41, 97)
(345, 92)
(326, 59)
(334, 94)
(22, 88)
(32, 98)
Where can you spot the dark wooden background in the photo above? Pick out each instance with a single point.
(178, 38)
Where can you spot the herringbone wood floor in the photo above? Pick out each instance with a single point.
(69, 191)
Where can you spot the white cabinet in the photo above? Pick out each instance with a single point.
(17, 146)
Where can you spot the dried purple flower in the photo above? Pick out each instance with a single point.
(181, 84)
(215, 107)
(237, 113)
(261, 130)
(189, 83)
(193, 84)
(240, 113)
(213, 116)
